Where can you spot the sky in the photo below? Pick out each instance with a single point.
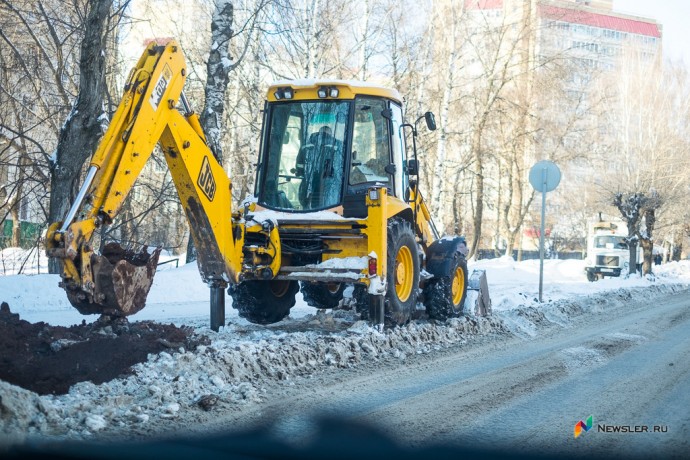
(673, 15)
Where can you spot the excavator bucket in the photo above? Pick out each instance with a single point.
(122, 279)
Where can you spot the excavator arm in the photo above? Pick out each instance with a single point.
(116, 281)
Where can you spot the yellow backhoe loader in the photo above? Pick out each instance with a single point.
(336, 203)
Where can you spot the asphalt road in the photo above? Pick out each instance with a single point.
(627, 367)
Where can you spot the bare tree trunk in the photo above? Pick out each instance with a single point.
(632, 253)
(510, 236)
(14, 200)
(439, 178)
(16, 225)
(82, 130)
(630, 211)
(677, 247)
(479, 186)
(647, 241)
(312, 21)
(364, 44)
(217, 76)
(647, 247)
(478, 216)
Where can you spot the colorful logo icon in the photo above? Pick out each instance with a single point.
(579, 426)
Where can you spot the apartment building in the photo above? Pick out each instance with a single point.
(592, 32)
(587, 41)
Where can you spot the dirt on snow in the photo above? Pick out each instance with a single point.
(50, 359)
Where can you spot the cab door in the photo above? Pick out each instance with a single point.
(371, 153)
(399, 154)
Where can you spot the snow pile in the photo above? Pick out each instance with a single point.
(515, 284)
(21, 410)
(528, 319)
(234, 368)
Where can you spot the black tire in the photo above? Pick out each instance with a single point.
(591, 277)
(264, 302)
(442, 298)
(322, 295)
(403, 273)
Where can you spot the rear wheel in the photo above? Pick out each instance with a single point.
(444, 296)
(403, 273)
(263, 302)
(322, 295)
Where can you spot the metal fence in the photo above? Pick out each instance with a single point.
(28, 234)
(528, 255)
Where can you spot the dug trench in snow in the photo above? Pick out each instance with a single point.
(50, 359)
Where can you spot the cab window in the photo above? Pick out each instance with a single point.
(370, 142)
(303, 162)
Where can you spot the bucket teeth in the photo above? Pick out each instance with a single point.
(122, 280)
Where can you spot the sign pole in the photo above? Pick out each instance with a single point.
(544, 177)
(541, 234)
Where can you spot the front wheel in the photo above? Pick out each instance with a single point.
(444, 296)
(263, 302)
(403, 273)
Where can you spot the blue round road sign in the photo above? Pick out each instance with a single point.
(544, 176)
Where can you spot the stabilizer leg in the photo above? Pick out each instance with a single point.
(217, 306)
(377, 311)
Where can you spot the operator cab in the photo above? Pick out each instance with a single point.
(324, 144)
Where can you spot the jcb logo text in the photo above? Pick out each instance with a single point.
(206, 182)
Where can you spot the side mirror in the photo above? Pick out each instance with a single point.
(430, 121)
(412, 167)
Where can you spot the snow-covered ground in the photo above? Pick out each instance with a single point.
(244, 361)
(179, 296)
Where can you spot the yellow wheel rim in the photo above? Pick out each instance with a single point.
(457, 287)
(280, 288)
(333, 287)
(404, 275)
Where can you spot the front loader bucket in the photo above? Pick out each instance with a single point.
(122, 280)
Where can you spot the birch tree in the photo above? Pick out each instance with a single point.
(219, 66)
(450, 20)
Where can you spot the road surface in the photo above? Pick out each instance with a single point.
(628, 367)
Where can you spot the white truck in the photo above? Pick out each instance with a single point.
(608, 253)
